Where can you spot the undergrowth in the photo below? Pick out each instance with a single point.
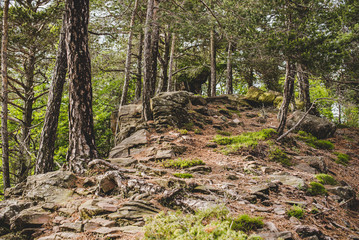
(312, 141)
(214, 223)
(278, 155)
(325, 179)
(316, 189)
(183, 175)
(342, 158)
(248, 139)
(182, 163)
(296, 211)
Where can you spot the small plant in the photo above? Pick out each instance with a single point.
(325, 179)
(246, 223)
(342, 158)
(182, 163)
(182, 131)
(183, 175)
(188, 126)
(248, 139)
(296, 211)
(277, 155)
(316, 189)
(314, 210)
(213, 223)
(224, 133)
(312, 141)
(197, 131)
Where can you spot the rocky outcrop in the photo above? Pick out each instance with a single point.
(318, 127)
(258, 97)
(130, 145)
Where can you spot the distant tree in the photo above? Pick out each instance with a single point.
(81, 129)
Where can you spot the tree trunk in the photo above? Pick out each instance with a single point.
(128, 58)
(154, 46)
(146, 96)
(4, 116)
(172, 56)
(229, 84)
(287, 95)
(139, 69)
(164, 62)
(213, 64)
(45, 157)
(81, 129)
(303, 80)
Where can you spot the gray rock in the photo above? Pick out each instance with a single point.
(123, 149)
(150, 170)
(200, 169)
(71, 226)
(165, 154)
(307, 231)
(31, 217)
(288, 180)
(345, 192)
(276, 236)
(124, 162)
(304, 167)
(315, 162)
(318, 127)
(96, 207)
(10, 208)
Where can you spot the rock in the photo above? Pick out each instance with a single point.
(123, 150)
(276, 236)
(165, 154)
(271, 227)
(253, 94)
(279, 210)
(307, 231)
(288, 180)
(345, 192)
(198, 100)
(150, 170)
(200, 169)
(232, 177)
(31, 217)
(71, 226)
(10, 208)
(285, 235)
(294, 220)
(259, 188)
(66, 211)
(92, 208)
(212, 145)
(315, 162)
(318, 127)
(304, 167)
(61, 235)
(124, 162)
(131, 229)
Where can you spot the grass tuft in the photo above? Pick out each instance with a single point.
(182, 163)
(316, 189)
(312, 141)
(296, 211)
(246, 223)
(278, 155)
(342, 158)
(183, 175)
(325, 179)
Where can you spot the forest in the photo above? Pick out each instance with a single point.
(67, 66)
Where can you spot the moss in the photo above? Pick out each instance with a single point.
(342, 158)
(254, 93)
(296, 211)
(223, 133)
(278, 101)
(183, 175)
(314, 210)
(197, 131)
(277, 155)
(213, 223)
(325, 179)
(312, 141)
(267, 98)
(249, 139)
(188, 126)
(246, 223)
(316, 189)
(182, 131)
(182, 163)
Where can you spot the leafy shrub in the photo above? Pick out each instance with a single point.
(246, 223)
(183, 175)
(277, 155)
(208, 224)
(316, 189)
(224, 133)
(296, 211)
(312, 141)
(248, 139)
(325, 179)
(342, 158)
(182, 163)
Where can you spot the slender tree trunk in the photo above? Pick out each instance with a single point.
(154, 46)
(146, 96)
(164, 62)
(139, 69)
(287, 95)
(213, 64)
(128, 58)
(172, 56)
(303, 80)
(45, 157)
(4, 116)
(229, 84)
(82, 146)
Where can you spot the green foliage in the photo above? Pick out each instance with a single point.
(223, 133)
(314, 210)
(342, 158)
(312, 141)
(197, 131)
(182, 163)
(182, 131)
(183, 175)
(248, 139)
(325, 179)
(316, 189)
(188, 126)
(246, 223)
(278, 155)
(211, 223)
(296, 211)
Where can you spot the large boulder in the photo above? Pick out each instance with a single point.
(171, 109)
(130, 145)
(257, 97)
(318, 127)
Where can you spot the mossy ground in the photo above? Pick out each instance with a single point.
(312, 141)
(325, 179)
(296, 211)
(183, 175)
(316, 189)
(342, 158)
(278, 155)
(182, 163)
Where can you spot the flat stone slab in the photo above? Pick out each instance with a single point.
(288, 180)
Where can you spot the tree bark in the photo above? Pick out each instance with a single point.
(146, 96)
(229, 84)
(128, 58)
(4, 114)
(139, 69)
(287, 95)
(81, 128)
(165, 62)
(303, 80)
(213, 64)
(45, 157)
(172, 56)
(154, 46)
